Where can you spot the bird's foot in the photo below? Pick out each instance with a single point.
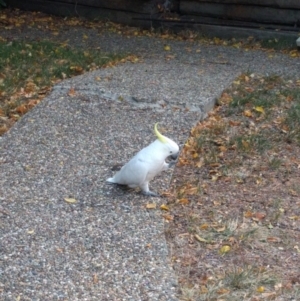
(150, 193)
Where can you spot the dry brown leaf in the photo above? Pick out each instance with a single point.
(199, 238)
(247, 113)
(168, 217)
(183, 201)
(273, 239)
(164, 207)
(204, 226)
(222, 291)
(72, 92)
(151, 206)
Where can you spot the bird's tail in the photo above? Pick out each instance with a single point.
(110, 180)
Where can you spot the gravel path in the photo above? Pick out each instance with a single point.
(106, 245)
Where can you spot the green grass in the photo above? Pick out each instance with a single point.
(251, 143)
(247, 278)
(278, 44)
(292, 120)
(43, 63)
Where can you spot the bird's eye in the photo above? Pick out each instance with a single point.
(171, 152)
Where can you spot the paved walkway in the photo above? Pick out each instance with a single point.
(106, 245)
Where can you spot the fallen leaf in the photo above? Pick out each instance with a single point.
(224, 249)
(203, 226)
(203, 289)
(151, 206)
(259, 109)
(95, 278)
(234, 123)
(167, 48)
(70, 200)
(21, 109)
(199, 238)
(164, 207)
(221, 229)
(72, 92)
(223, 290)
(260, 289)
(248, 214)
(77, 69)
(247, 113)
(273, 239)
(183, 201)
(270, 295)
(168, 217)
(259, 216)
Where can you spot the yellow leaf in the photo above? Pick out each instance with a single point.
(224, 250)
(31, 231)
(260, 110)
(195, 155)
(151, 206)
(85, 36)
(164, 207)
(167, 48)
(70, 200)
(294, 53)
(260, 289)
(199, 238)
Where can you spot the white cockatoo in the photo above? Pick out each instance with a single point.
(146, 164)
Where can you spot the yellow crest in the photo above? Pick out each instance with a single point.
(159, 136)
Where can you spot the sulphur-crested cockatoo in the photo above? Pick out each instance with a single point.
(146, 164)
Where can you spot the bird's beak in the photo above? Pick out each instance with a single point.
(174, 157)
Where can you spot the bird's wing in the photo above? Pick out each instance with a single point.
(133, 173)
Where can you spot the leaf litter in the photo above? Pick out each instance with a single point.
(235, 196)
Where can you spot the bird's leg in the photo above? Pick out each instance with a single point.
(150, 193)
(146, 191)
